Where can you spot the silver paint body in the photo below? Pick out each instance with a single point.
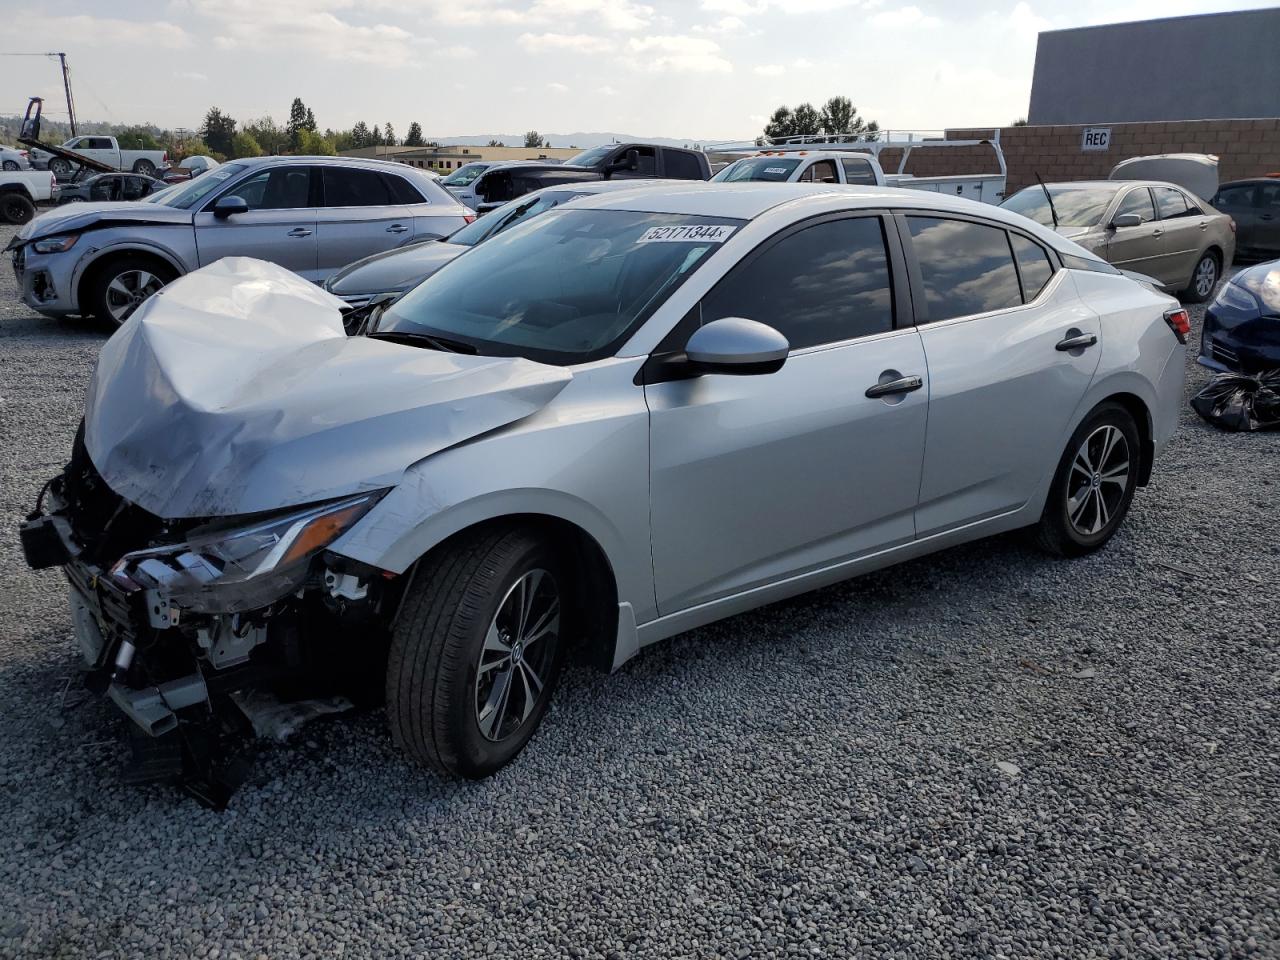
(707, 496)
(314, 242)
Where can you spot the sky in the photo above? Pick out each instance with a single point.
(703, 70)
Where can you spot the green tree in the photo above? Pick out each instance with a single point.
(243, 145)
(137, 138)
(414, 139)
(218, 131)
(1020, 122)
(389, 138)
(496, 143)
(310, 122)
(360, 135)
(312, 144)
(375, 136)
(341, 139)
(269, 136)
(806, 120)
(533, 139)
(781, 124)
(297, 122)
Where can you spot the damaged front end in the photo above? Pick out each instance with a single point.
(178, 621)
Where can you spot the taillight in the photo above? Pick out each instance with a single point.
(469, 217)
(1179, 322)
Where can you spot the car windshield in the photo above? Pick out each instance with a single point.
(589, 158)
(508, 215)
(1076, 206)
(566, 287)
(757, 168)
(187, 194)
(465, 175)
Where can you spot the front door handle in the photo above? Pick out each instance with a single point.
(397, 228)
(890, 387)
(299, 232)
(1076, 343)
(1156, 233)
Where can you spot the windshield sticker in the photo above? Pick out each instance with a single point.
(689, 233)
(775, 169)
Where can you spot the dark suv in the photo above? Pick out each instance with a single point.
(636, 160)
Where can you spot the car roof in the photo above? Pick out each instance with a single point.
(747, 201)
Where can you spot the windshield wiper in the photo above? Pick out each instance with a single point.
(446, 344)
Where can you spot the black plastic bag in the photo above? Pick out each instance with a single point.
(1234, 401)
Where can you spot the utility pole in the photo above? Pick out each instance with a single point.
(66, 85)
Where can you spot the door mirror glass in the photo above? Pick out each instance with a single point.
(1126, 220)
(227, 206)
(735, 345)
(630, 160)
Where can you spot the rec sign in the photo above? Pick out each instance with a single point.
(1096, 138)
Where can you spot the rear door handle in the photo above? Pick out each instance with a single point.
(299, 232)
(901, 385)
(1076, 343)
(397, 228)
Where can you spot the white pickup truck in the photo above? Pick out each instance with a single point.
(104, 150)
(21, 190)
(815, 165)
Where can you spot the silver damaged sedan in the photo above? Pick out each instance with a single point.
(630, 416)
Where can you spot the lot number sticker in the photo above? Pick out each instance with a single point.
(689, 233)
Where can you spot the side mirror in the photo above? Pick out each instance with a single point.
(229, 206)
(1126, 220)
(735, 345)
(630, 160)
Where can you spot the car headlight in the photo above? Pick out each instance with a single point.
(233, 570)
(1233, 305)
(55, 244)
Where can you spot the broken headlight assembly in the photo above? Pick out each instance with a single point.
(59, 244)
(238, 569)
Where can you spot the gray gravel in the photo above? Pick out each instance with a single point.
(986, 753)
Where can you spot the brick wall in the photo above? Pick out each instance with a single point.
(1245, 148)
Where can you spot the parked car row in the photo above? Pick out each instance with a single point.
(627, 414)
(103, 149)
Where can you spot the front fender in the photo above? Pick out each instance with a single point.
(101, 249)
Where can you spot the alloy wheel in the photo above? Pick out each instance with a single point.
(1099, 480)
(128, 290)
(518, 653)
(1206, 276)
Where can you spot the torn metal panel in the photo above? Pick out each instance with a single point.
(235, 390)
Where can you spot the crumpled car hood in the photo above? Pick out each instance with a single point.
(235, 390)
(78, 216)
(394, 271)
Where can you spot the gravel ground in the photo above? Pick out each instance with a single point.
(986, 753)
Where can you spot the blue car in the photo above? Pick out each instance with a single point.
(1242, 325)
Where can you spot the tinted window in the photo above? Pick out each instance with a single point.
(98, 143)
(648, 164)
(351, 187)
(1139, 202)
(402, 191)
(1171, 203)
(283, 188)
(820, 171)
(682, 166)
(1034, 265)
(1269, 197)
(857, 170)
(823, 284)
(966, 267)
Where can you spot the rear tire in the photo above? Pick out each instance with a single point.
(10, 165)
(1094, 484)
(145, 166)
(476, 652)
(1203, 279)
(119, 286)
(60, 167)
(16, 208)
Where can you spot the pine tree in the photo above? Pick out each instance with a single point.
(414, 139)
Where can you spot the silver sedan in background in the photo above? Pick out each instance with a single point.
(635, 414)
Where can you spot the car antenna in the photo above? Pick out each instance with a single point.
(1048, 197)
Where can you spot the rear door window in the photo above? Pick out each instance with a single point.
(681, 165)
(822, 284)
(353, 187)
(1234, 198)
(1139, 202)
(858, 170)
(965, 268)
(820, 171)
(1034, 266)
(1171, 203)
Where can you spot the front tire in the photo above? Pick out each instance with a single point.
(119, 287)
(11, 165)
(1094, 484)
(1204, 279)
(476, 652)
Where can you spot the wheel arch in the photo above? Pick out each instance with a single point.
(89, 269)
(1141, 413)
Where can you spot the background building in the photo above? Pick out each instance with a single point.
(1213, 67)
(448, 158)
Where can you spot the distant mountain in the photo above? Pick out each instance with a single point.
(582, 140)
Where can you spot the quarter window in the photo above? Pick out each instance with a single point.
(402, 191)
(1034, 265)
(353, 187)
(823, 284)
(1139, 202)
(1171, 203)
(965, 267)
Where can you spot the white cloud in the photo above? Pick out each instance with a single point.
(911, 16)
(558, 87)
(678, 54)
(190, 75)
(723, 25)
(770, 70)
(579, 42)
(622, 15)
(457, 52)
(49, 31)
(745, 8)
(607, 91)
